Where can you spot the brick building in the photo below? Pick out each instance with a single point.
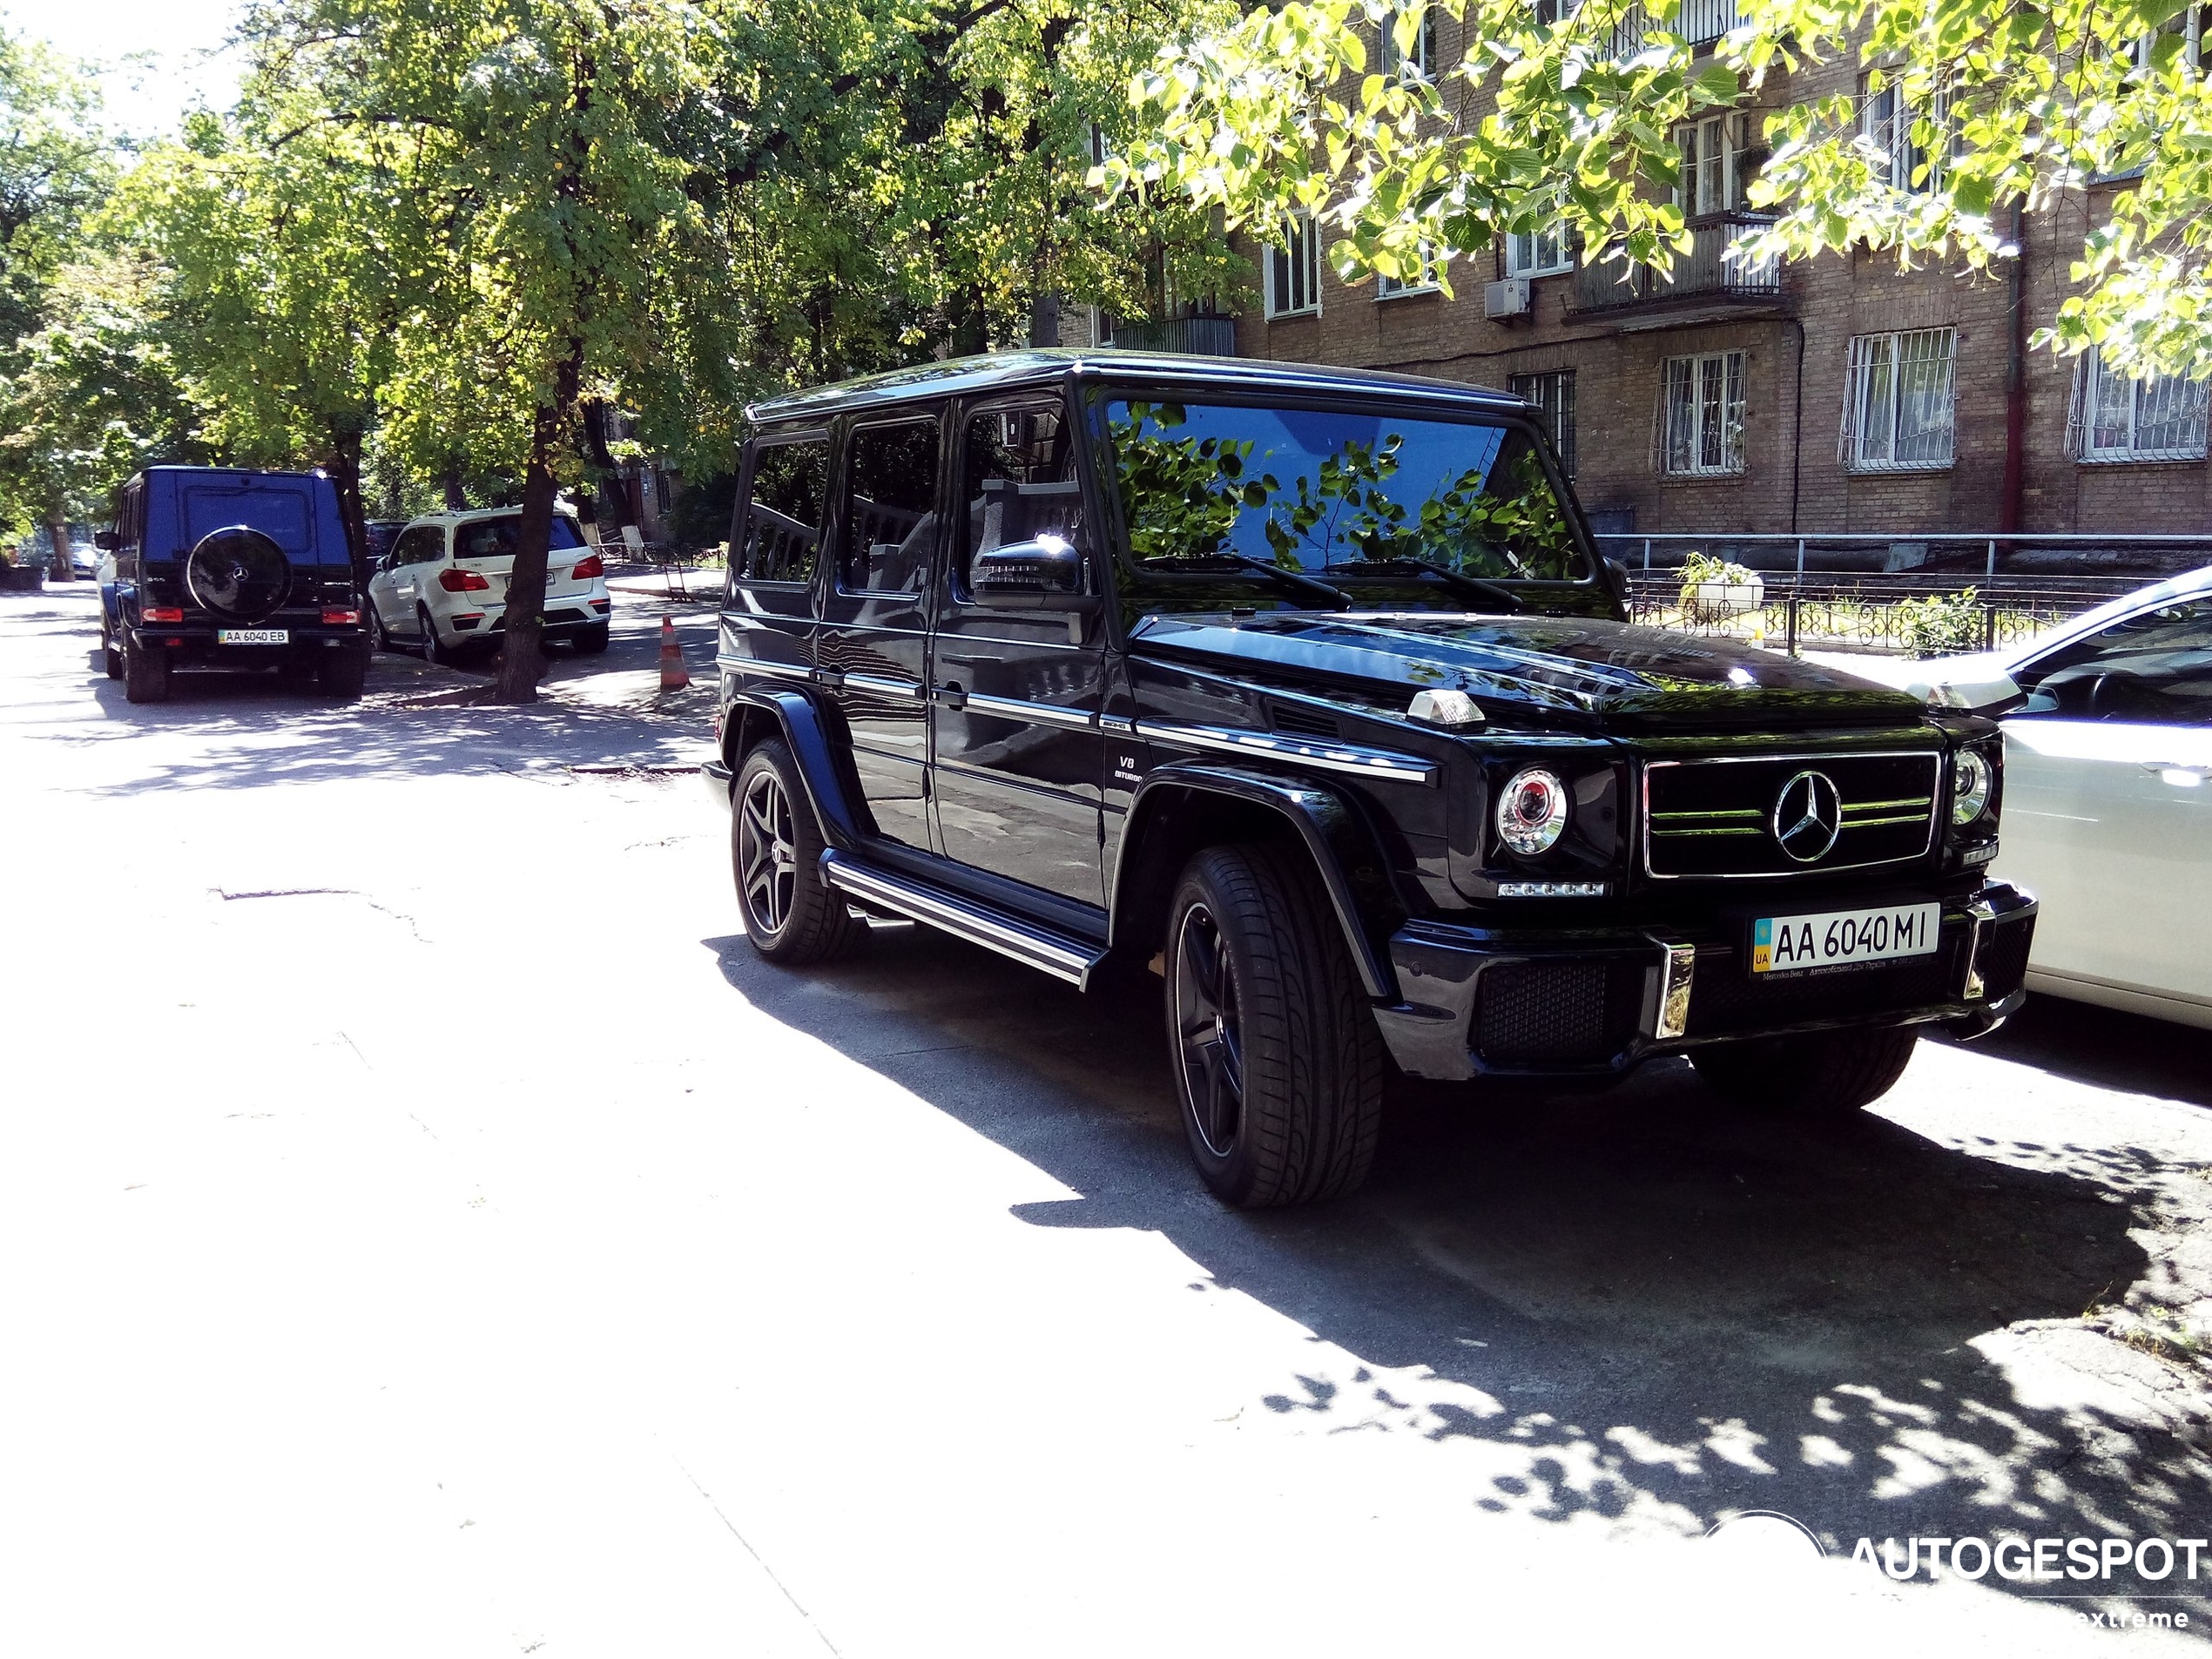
(1836, 394)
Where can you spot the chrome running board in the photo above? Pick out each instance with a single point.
(1050, 953)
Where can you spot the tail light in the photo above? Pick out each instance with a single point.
(337, 617)
(162, 613)
(458, 581)
(589, 568)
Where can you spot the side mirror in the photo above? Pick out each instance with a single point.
(107, 540)
(1046, 574)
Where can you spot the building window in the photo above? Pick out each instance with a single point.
(2114, 418)
(1294, 269)
(1552, 393)
(1422, 59)
(1715, 163)
(1704, 415)
(1538, 253)
(1885, 124)
(1896, 409)
(1423, 280)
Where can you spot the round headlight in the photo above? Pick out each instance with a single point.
(1532, 812)
(1970, 777)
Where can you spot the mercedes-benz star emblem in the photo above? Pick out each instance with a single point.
(1807, 816)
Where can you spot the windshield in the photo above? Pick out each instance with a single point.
(1330, 490)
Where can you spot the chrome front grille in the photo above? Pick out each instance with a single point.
(1725, 818)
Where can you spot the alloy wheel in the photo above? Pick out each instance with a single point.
(767, 856)
(1209, 1031)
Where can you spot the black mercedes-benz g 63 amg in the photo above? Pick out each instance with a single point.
(1308, 689)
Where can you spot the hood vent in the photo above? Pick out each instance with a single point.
(1293, 721)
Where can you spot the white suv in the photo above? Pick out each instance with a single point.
(444, 585)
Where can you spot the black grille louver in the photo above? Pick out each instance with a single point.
(1717, 818)
(1565, 1013)
(1724, 999)
(2002, 960)
(1304, 722)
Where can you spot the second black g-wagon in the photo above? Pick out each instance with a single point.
(1307, 689)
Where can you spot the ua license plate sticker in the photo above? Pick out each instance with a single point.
(253, 636)
(1836, 938)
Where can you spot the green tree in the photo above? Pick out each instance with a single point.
(1545, 121)
(54, 165)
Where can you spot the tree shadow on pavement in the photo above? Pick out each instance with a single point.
(1632, 1300)
(2110, 1049)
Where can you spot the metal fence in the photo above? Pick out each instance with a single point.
(1780, 595)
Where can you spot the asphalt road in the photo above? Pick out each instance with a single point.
(427, 1229)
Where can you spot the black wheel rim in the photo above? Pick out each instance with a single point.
(1208, 1028)
(767, 856)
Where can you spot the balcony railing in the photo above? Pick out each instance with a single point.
(1199, 336)
(1699, 22)
(1703, 276)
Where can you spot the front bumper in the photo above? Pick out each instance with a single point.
(1592, 1004)
(718, 779)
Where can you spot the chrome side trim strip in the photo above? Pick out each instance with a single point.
(881, 686)
(1064, 959)
(1009, 708)
(1352, 759)
(774, 671)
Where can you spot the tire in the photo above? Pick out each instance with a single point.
(791, 914)
(111, 657)
(589, 642)
(378, 638)
(341, 674)
(1824, 1074)
(145, 674)
(433, 649)
(1277, 1061)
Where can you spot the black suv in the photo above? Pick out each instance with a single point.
(1307, 689)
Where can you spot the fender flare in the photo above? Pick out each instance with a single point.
(1332, 830)
(801, 725)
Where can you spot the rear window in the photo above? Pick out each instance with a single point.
(493, 539)
(279, 512)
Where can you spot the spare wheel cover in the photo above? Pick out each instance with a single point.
(237, 572)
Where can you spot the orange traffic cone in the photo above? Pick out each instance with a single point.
(673, 675)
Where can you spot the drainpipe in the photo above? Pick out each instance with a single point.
(1797, 432)
(2008, 507)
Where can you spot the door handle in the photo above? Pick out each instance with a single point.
(950, 695)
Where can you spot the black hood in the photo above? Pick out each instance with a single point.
(1531, 671)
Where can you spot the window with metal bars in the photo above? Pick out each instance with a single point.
(1702, 415)
(1552, 393)
(2114, 418)
(1294, 269)
(1898, 404)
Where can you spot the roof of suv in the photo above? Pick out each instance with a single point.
(1002, 371)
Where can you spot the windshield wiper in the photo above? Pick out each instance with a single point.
(1471, 586)
(1335, 598)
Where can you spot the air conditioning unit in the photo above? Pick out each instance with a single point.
(1506, 299)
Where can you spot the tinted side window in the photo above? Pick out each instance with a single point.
(890, 507)
(420, 545)
(2154, 668)
(781, 520)
(1019, 481)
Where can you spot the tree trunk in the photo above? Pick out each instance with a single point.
(61, 569)
(346, 473)
(456, 497)
(521, 658)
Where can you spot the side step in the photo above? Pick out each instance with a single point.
(1063, 958)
